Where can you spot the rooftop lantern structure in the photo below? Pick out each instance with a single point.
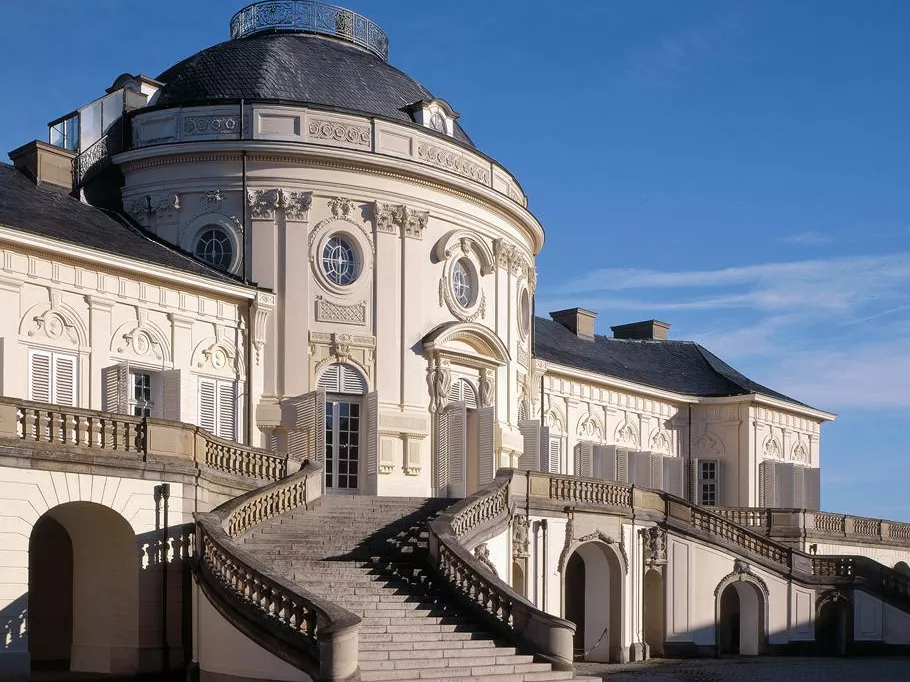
(306, 16)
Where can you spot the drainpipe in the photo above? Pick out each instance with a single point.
(690, 488)
(543, 563)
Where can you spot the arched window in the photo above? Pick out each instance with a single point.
(342, 378)
(463, 392)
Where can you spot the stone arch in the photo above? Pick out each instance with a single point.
(660, 441)
(626, 434)
(217, 356)
(572, 543)
(592, 581)
(653, 610)
(465, 242)
(462, 338)
(104, 592)
(741, 612)
(554, 419)
(771, 448)
(707, 444)
(902, 567)
(57, 323)
(833, 623)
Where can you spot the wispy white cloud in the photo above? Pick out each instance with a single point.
(809, 238)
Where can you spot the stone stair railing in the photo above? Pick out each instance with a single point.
(810, 525)
(310, 633)
(94, 433)
(467, 523)
(722, 527)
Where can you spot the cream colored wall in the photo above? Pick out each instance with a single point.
(874, 621)
(107, 316)
(378, 322)
(222, 650)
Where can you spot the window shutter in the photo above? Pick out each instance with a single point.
(457, 418)
(486, 445)
(786, 484)
(306, 436)
(442, 453)
(799, 487)
(767, 493)
(555, 454)
(657, 472)
(693, 487)
(115, 388)
(599, 455)
(522, 410)
(330, 380)
(812, 495)
(65, 380)
(227, 409)
(640, 468)
(39, 376)
(342, 378)
(530, 456)
(170, 394)
(607, 463)
(207, 405)
(584, 459)
(673, 475)
(622, 465)
(371, 440)
(543, 463)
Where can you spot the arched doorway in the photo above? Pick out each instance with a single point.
(518, 578)
(740, 625)
(902, 567)
(344, 387)
(654, 611)
(832, 626)
(592, 598)
(83, 591)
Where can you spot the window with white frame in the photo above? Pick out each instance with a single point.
(52, 377)
(142, 396)
(708, 478)
(218, 407)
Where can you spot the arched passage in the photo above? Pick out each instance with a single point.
(518, 578)
(740, 612)
(654, 611)
(902, 567)
(93, 624)
(592, 598)
(832, 626)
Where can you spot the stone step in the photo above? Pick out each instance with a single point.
(425, 647)
(473, 672)
(420, 636)
(428, 628)
(479, 665)
(421, 654)
(495, 677)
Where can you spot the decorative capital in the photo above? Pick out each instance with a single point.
(341, 207)
(262, 308)
(263, 203)
(399, 219)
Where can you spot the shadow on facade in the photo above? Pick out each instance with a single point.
(99, 597)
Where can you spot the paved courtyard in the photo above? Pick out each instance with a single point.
(753, 670)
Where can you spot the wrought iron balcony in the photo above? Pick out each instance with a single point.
(306, 16)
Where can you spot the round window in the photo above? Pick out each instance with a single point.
(215, 247)
(463, 286)
(524, 312)
(339, 261)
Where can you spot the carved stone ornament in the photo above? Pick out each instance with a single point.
(486, 388)
(447, 298)
(440, 380)
(707, 444)
(164, 207)
(140, 342)
(655, 546)
(399, 219)
(572, 543)
(800, 453)
(660, 442)
(262, 308)
(625, 435)
(264, 203)
(588, 427)
(341, 133)
(340, 347)
(520, 542)
(455, 163)
(341, 207)
(771, 448)
(212, 201)
(55, 326)
(482, 554)
(329, 311)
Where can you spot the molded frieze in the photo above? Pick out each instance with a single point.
(328, 311)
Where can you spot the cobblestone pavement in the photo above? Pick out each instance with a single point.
(753, 670)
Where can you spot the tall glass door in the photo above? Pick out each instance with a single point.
(342, 444)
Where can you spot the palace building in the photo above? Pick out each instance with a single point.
(276, 405)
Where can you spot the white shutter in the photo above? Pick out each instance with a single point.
(170, 394)
(673, 474)
(306, 435)
(530, 457)
(371, 440)
(39, 376)
(65, 380)
(786, 484)
(640, 468)
(812, 494)
(463, 392)
(767, 494)
(544, 452)
(208, 411)
(330, 380)
(657, 472)
(603, 461)
(116, 388)
(227, 409)
(623, 465)
(799, 487)
(442, 453)
(555, 454)
(486, 446)
(457, 450)
(342, 378)
(584, 459)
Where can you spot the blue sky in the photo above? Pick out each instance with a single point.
(739, 169)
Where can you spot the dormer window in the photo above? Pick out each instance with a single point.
(435, 114)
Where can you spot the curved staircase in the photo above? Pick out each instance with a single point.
(368, 554)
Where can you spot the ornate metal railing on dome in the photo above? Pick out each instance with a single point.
(306, 16)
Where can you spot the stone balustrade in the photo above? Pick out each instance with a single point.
(93, 433)
(312, 634)
(480, 516)
(804, 525)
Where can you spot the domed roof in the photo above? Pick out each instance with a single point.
(294, 68)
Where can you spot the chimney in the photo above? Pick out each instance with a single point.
(45, 164)
(577, 320)
(649, 330)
